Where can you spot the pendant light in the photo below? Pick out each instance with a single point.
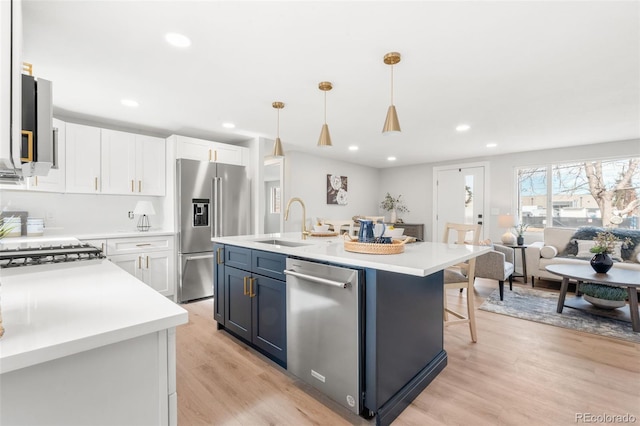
(391, 124)
(325, 138)
(277, 147)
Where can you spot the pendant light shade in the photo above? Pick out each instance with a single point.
(391, 124)
(325, 137)
(277, 146)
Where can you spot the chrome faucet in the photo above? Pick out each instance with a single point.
(304, 215)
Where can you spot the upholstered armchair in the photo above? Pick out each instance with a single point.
(498, 265)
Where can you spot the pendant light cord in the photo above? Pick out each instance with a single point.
(391, 84)
(325, 107)
(278, 125)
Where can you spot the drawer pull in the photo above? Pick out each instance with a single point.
(143, 244)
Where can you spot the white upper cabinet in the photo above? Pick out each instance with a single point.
(201, 150)
(132, 164)
(127, 163)
(118, 159)
(54, 181)
(150, 165)
(83, 159)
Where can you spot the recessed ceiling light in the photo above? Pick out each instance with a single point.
(391, 158)
(353, 148)
(129, 103)
(228, 125)
(177, 40)
(462, 127)
(492, 145)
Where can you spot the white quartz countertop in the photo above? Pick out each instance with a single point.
(55, 310)
(420, 259)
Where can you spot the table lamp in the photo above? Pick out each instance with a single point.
(144, 209)
(507, 221)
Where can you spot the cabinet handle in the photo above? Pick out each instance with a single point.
(139, 186)
(96, 183)
(143, 244)
(245, 286)
(102, 247)
(36, 181)
(251, 281)
(219, 259)
(132, 186)
(215, 155)
(209, 155)
(147, 262)
(139, 262)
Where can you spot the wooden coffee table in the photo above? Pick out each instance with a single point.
(615, 277)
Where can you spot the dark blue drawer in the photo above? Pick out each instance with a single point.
(237, 257)
(269, 264)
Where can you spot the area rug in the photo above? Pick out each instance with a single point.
(540, 306)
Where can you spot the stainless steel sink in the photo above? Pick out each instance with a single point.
(285, 243)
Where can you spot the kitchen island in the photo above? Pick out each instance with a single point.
(401, 304)
(86, 343)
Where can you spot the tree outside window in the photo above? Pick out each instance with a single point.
(594, 193)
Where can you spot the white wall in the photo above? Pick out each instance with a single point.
(305, 177)
(415, 183)
(75, 214)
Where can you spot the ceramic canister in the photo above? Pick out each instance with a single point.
(35, 226)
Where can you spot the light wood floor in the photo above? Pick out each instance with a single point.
(519, 373)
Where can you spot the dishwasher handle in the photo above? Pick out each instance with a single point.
(318, 280)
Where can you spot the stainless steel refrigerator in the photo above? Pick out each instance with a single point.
(213, 200)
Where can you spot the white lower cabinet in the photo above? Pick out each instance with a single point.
(156, 269)
(150, 259)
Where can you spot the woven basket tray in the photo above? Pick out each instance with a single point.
(395, 247)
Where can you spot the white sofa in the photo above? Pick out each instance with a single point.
(539, 257)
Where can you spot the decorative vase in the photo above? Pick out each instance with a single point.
(601, 263)
(520, 240)
(394, 216)
(604, 303)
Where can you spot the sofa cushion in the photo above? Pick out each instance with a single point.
(548, 252)
(558, 238)
(584, 247)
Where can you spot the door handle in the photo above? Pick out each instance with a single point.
(251, 281)
(318, 280)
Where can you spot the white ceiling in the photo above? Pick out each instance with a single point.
(524, 75)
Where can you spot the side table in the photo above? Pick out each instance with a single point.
(524, 262)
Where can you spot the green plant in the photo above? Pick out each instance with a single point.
(390, 203)
(520, 229)
(602, 291)
(606, 242)
(5, 227)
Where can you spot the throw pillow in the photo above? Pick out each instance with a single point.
(548, 252)
(584, 247)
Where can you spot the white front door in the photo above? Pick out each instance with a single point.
(459, 197)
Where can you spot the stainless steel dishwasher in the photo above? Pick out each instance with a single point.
(323, 329)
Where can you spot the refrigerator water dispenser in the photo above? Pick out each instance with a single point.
(200, 211)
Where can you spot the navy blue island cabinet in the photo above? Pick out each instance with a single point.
(250, 298)
(403, 339)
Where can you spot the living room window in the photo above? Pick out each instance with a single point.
(589, 193)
